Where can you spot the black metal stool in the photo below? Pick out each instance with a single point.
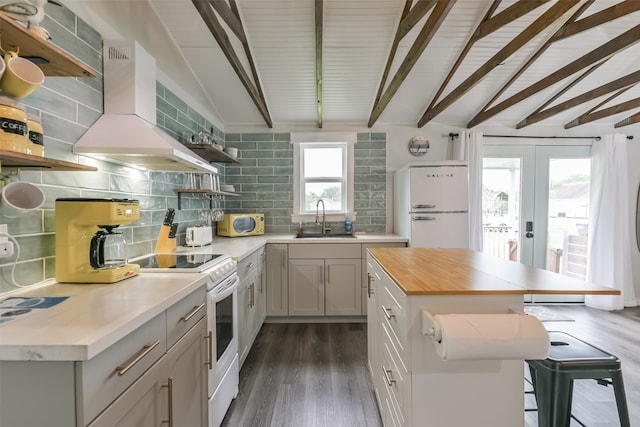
(571, 359)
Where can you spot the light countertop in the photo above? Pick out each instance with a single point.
(240, 247)
(436, 271)
(94, 317)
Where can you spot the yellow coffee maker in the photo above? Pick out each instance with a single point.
(81, 226)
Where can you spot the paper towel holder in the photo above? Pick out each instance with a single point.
(431, 326)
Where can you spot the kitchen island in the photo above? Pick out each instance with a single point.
(414, 385)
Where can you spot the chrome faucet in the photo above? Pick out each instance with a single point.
(324, 218)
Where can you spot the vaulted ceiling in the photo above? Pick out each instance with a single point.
(513, 63)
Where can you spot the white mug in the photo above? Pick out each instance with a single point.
(18, 197)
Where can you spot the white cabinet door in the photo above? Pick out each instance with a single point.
(306, 287)
(277, 280)
(343, 295)
(187, 373)
(144, 404)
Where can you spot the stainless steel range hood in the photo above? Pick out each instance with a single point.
(127, 133)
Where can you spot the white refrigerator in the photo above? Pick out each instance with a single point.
(431, 204)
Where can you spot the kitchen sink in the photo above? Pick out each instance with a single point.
(326, 236)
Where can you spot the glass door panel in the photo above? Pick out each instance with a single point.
(535, 208)
(568, 217)
(501, 206)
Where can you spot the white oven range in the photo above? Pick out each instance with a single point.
(222, 320)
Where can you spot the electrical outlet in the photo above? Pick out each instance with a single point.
(6, 249)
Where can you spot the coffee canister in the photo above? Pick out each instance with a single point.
(13, 126)
(36, 136)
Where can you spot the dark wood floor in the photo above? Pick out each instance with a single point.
(315, 374)
(306, 375)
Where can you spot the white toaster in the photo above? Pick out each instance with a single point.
(199, 236)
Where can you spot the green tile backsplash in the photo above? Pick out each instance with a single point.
(263, 178)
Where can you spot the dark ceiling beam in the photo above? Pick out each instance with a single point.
(319, 24)
(606, 112)
(601, 53)
(230, 18)
(247, 52)
(210, 19)
(543, 21)
(392, 53)
(464, 52)
(628, 121)
(427, 33)
(627, 81)
(533, 59)
(492, 23)
(413, 16)
(602, 17)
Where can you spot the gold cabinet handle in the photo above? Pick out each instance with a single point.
(387, 376)
(169, 387)
(209, 363)
(192, 313)
(121, 370)
(388, 312)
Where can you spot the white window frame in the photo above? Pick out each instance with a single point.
(346, 141)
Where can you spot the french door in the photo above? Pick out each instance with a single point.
(536, 207)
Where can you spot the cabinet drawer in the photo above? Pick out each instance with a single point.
(394, 376)
(322, 250)
(182, 316)
(394, 314)
(248, 266)
(106, 376)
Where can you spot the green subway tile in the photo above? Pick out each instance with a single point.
(363, 137)
(232, 137)
(283, 171)
(236, 179)
(257, 154)
(174, 100)
(87, 116)
(257, 171)
(166, 108)
(26, 273)
(126, 184)
(378, 136)
(284, 196)
(286, 137)
(283, 187)
(257, 188)
(68, 42)
(277, 179)
(258, 205)
(275, 162)
(275, 145)
(257, 137)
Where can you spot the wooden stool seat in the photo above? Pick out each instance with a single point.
(570, 359)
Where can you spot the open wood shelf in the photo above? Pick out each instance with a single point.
(52, 60)
(19, 160)
(211, 154)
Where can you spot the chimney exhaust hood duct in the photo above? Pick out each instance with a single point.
(127, 133)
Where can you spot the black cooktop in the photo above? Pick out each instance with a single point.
(174, 261)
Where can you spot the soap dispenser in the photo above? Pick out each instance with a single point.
(348, 225)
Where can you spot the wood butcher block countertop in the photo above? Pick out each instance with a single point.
(438, 271)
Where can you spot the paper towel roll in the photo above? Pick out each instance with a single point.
(491, 337)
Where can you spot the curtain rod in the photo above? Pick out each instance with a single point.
(597, 138)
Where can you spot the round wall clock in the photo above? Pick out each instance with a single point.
(418, 146)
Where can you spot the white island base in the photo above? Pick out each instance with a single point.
(413, 384)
